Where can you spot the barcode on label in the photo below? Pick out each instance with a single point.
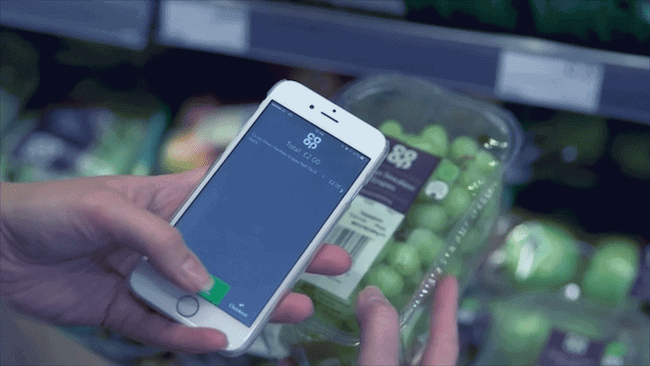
(363, 236)
(353, 242)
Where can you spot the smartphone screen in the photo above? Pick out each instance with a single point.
(264, 205)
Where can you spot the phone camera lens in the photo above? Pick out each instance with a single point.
(311, 106)
(334, 110)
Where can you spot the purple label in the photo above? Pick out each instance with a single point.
(570, 349)
(471, 332)
(69, 124)
(400, 177)
(46, 151)
(641, 287)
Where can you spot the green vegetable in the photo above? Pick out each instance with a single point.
(454, 267)
(390, 127)
(539, 254)
(463, 148)
(409, 139)
(405, 259)
(437, 137)
(427, 215)
(523, 332)
(472, 179)
(446, 171)
(388, 280)
(485, 161)
(427, 244)
(612, 270)
(457, 201)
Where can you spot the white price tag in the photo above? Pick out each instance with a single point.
(363, 236)
(549, 81)
(222, 26)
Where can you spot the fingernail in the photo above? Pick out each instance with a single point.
(199, 277)
(371, 294)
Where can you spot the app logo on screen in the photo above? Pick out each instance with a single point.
(311, 141)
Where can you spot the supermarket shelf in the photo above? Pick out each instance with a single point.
(118, 23)
(510, 68)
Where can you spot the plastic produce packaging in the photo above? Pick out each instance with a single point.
(426, 212)
(542, 255)
(101, 132)
(562, 328)
(618, 273)
(535, 254)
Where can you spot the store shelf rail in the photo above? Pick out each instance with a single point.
(510, 68)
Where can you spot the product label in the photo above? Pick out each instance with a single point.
(549, 80)
(215, 26)
(614, 354)
(473, 322)
(641, 287)
(570, 349)
(376, 213)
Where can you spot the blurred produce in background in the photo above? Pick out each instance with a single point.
(19, 75)
(542, 254)
(571, 163)
(95, 131)
(202, 132)
(562, 328)
(204, 126)
(525, 296)
(631, 151)
(618, 25)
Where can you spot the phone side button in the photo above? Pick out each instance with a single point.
(187, 306)
(356, 193)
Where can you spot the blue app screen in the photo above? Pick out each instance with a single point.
(262, 208)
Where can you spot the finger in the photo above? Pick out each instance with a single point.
(133, 319)
(293, 308)
(173, 190)
(161, 194)
(123, 260)
(379, 328)
(331, 260)
(154, 237)
(443, 343)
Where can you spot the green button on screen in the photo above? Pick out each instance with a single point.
(217, 292)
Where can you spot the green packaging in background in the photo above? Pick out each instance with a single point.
(563, 328)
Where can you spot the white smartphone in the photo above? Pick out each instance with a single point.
(263, 210)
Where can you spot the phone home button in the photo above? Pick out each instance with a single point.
(187, 306)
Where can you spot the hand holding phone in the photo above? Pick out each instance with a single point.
(263, 209)
(67, 248)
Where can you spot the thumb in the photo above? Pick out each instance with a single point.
(163, 244)
(379, 329)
